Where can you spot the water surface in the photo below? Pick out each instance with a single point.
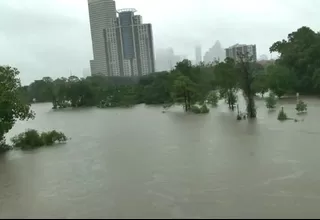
(141, 163)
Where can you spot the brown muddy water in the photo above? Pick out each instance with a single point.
(142, 163)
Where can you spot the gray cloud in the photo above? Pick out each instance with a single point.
(43, 42)
(52, 37)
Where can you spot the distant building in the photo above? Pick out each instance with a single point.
(135, 41)
(123, 45)
(198, 54)
(232, 52)
(215, 53)
(86, 72)
(266, 62)
(101, 15)
(166, 60)
(263, 57)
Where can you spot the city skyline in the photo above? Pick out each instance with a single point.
(54, 35)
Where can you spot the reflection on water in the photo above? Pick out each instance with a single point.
(141, 163)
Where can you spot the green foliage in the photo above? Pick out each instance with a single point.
(12, 105)
(213, 98)
(248, 70)
(260, 84)
(186, 85)
(271, 101)
(280, 79)
(301, 106)
(195, 109)
(230, 96)
(32, 139)
(3, 146)
(204, 109)
(227, 79)
(200, 110)
(226, 76)
(282, 116)
(300, 54)
(155, 88)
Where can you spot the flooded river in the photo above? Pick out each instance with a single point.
(142, 163)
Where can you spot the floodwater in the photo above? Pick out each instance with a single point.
(142, 163)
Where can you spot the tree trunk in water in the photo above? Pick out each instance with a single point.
(251, 110)
(189, 100)
(229, 99)
(185, 101)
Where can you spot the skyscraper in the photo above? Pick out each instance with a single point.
(233, 51)
(102, 14)
(135, 44)
(123, 45)
(166, 59)
(198, 54)
(215, 53)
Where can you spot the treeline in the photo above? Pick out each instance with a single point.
(296, 70)
(186, 84)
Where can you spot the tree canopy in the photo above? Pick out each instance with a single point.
(12, 106)
(300, 55)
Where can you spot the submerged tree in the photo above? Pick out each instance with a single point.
(227, 80)
(280, 79)
(282, 116)
(183, 91)
(213, 98)
(247, 70)
(260, 84)
(301, 106)
(271, 101)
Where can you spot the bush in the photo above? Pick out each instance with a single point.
(271, 101)
(32, 139)
(213, 98)
(200, 110)
(3, 146)
(51, 137)
(301, 106)
(204, 109)
(282, 116)
(195, 109)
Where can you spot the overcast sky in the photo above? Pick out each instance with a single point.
(52, 37)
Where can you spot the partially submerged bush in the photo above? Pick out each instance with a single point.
(301, 106)
(3, 146)
(32, 139)
(195, 109)
(204, 109)
(271, 101)
(282, 116)
(213, 98)
(200, 110)
(52, 137)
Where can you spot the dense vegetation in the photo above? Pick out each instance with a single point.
(297, 70)
(32, 139)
